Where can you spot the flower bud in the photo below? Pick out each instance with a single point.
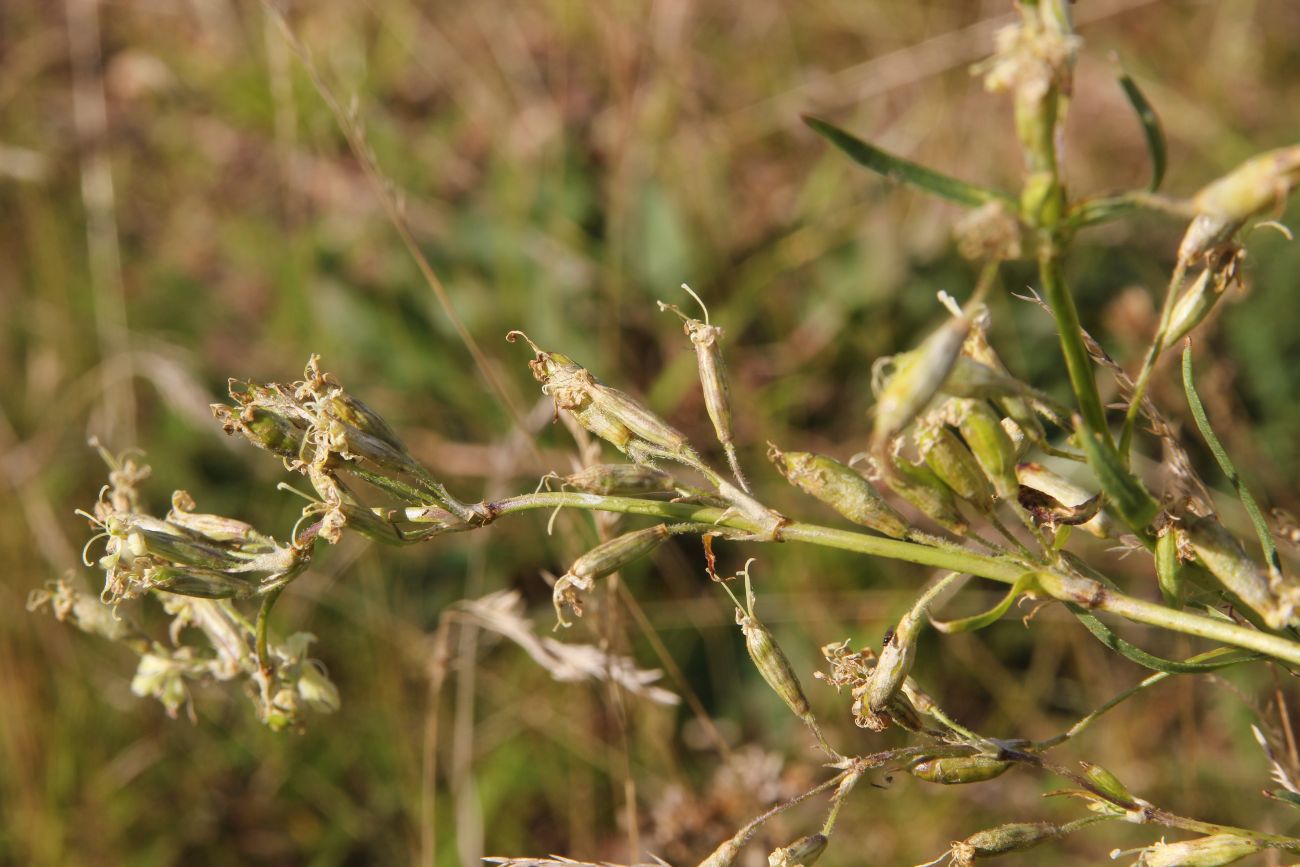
(1223, 556)
(803, 852)
(350, 410)
(841, 488)
(316, 689)
(1213, 851)
(957, 770)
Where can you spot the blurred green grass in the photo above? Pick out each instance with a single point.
(563, 166)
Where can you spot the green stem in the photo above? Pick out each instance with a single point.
(1078, 364)
(1065, 588)
(1149, 362)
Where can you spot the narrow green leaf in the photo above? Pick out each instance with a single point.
(1151, 128)
(900, 169)
(1133, 653)
(986, 618)
(1123, 490)
(1225, 464)
(1284, 796)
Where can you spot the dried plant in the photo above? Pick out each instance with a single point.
(954, 434)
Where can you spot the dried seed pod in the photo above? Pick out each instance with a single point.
(840, 487)
(197, 582)
(706, 338)
(181, 549)
(1213, 851)
(803, 852)
(216, 528)
(895, 663)
(1223, 206)
(1223, 556)
(920, 486)
(1169, 566)
(616, 479)
(957, 770)
(638, 418)
(773, 665)
(952, 462)
(983, 432)
(917, 378)
(604, 559)
(1068, 501)
(1013, 837)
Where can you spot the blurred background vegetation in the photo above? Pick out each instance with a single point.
(178, 205)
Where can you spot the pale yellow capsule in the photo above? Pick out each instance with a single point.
(953, 462)
(1220, 553)
(840, 487)
(1214, 851)
(988, 441)
(917, 378)
(959, 770)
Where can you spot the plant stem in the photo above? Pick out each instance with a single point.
(1077, 362)
(994, 568)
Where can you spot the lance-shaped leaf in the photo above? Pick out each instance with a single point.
(1151, 128)
(904, 170)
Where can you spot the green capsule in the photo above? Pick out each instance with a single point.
(952, 462)
(1194, 305)
(1169, 567)
(840, 487)
(920, 486)
(620, 479)
(803, 852)
(1013, 837)
(1107, 782)
(917, 378)
(958, 770)
(1213, 851)
(262, 427)
(197, 582)
(180, 549)
(1223, 556)
(988, 441)
(773, 665)
(604, 559)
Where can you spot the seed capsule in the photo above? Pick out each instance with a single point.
(841, 488)
(1200, 298)
(616, 479)
(773, 665)
(957, 770)
(956, 466)
(706, 338)
(1068, 503)
(263, 428)
(919, 485)
(1014, 837)
(600, 561)
(803, 852)
(1223, 555)
(1224, 205)
(1213, 851)
(1169, 567)
(983, 432)
(1106, 782)
(917, 378)
(215, 528)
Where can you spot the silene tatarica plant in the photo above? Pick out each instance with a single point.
(968, 470)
